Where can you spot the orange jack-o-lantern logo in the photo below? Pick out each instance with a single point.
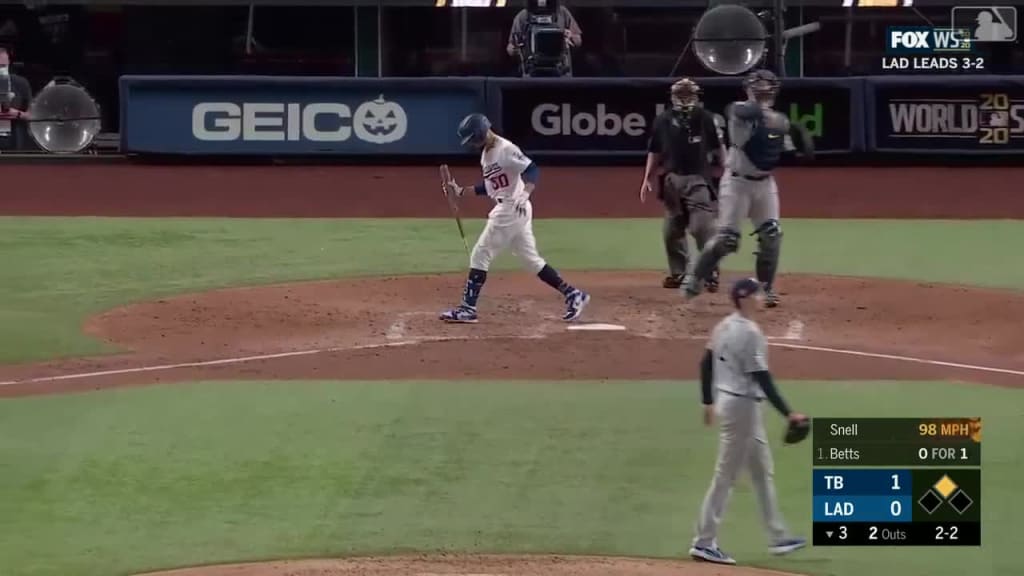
(380, 121)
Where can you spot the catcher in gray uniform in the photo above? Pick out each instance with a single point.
(735, 365)
(758, 136)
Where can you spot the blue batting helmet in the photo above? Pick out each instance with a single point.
(744, 288)
(473, 129)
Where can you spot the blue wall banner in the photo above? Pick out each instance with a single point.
(254, 115)
(946, 115)
(308, 116)
(613, 116)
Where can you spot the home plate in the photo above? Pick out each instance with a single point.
(596, 326)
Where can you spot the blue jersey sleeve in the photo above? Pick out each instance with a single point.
(531, 174)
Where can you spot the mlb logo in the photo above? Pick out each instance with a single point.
(987, 23)
(995, 119)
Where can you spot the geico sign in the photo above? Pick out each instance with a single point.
(376, 121)
(560, 120)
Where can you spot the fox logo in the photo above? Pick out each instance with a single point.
(928, 40)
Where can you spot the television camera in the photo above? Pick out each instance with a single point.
(544, 52)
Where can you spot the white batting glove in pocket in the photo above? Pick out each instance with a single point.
(519, 205)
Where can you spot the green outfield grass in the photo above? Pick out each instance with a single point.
(57, 271)
(114, 482)
(109, 483)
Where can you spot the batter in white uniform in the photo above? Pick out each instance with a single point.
(509, 179)
(735, 365)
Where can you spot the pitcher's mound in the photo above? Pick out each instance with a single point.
(474, 566)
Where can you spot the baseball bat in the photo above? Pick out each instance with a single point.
(446, 177)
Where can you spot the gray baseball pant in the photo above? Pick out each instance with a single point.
(742, 443)
(741, 198)
(688, 206)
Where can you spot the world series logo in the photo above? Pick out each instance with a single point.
(991, 119)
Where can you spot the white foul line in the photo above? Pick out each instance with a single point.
(900, 358)
(223, 361)
(261, 357)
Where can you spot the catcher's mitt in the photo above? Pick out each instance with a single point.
(796, 432)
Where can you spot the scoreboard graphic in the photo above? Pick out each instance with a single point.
(897, 482)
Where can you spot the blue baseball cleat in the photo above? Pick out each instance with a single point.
(575, 302)
(786, 546)
(714, 555)
(460, 315)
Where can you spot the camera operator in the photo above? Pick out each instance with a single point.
(544, 13)
(15, 97)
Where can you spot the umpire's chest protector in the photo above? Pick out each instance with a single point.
(767, 140)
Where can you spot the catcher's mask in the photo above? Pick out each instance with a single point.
(762, 86)
(685, 94)
(473, 130)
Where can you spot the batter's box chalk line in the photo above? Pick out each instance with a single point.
(396, 331)
(794, 331)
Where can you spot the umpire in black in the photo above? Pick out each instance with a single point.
(683, 140)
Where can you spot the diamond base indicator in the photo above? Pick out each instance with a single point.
(930, 502)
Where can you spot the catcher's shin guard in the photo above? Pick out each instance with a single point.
(726, 242)
(769, 247)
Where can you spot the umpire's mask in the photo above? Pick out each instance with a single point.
(685, 95)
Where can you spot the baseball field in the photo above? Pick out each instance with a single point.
(203, 366)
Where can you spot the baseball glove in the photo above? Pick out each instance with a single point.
(796, 432)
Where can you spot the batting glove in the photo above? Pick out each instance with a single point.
(519, 205)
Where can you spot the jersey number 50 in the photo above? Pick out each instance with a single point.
(499, 181)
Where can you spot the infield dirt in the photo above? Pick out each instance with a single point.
(340, 329)
(454, 565)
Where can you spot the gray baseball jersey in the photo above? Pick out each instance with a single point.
(757, 139)
(739, 348)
